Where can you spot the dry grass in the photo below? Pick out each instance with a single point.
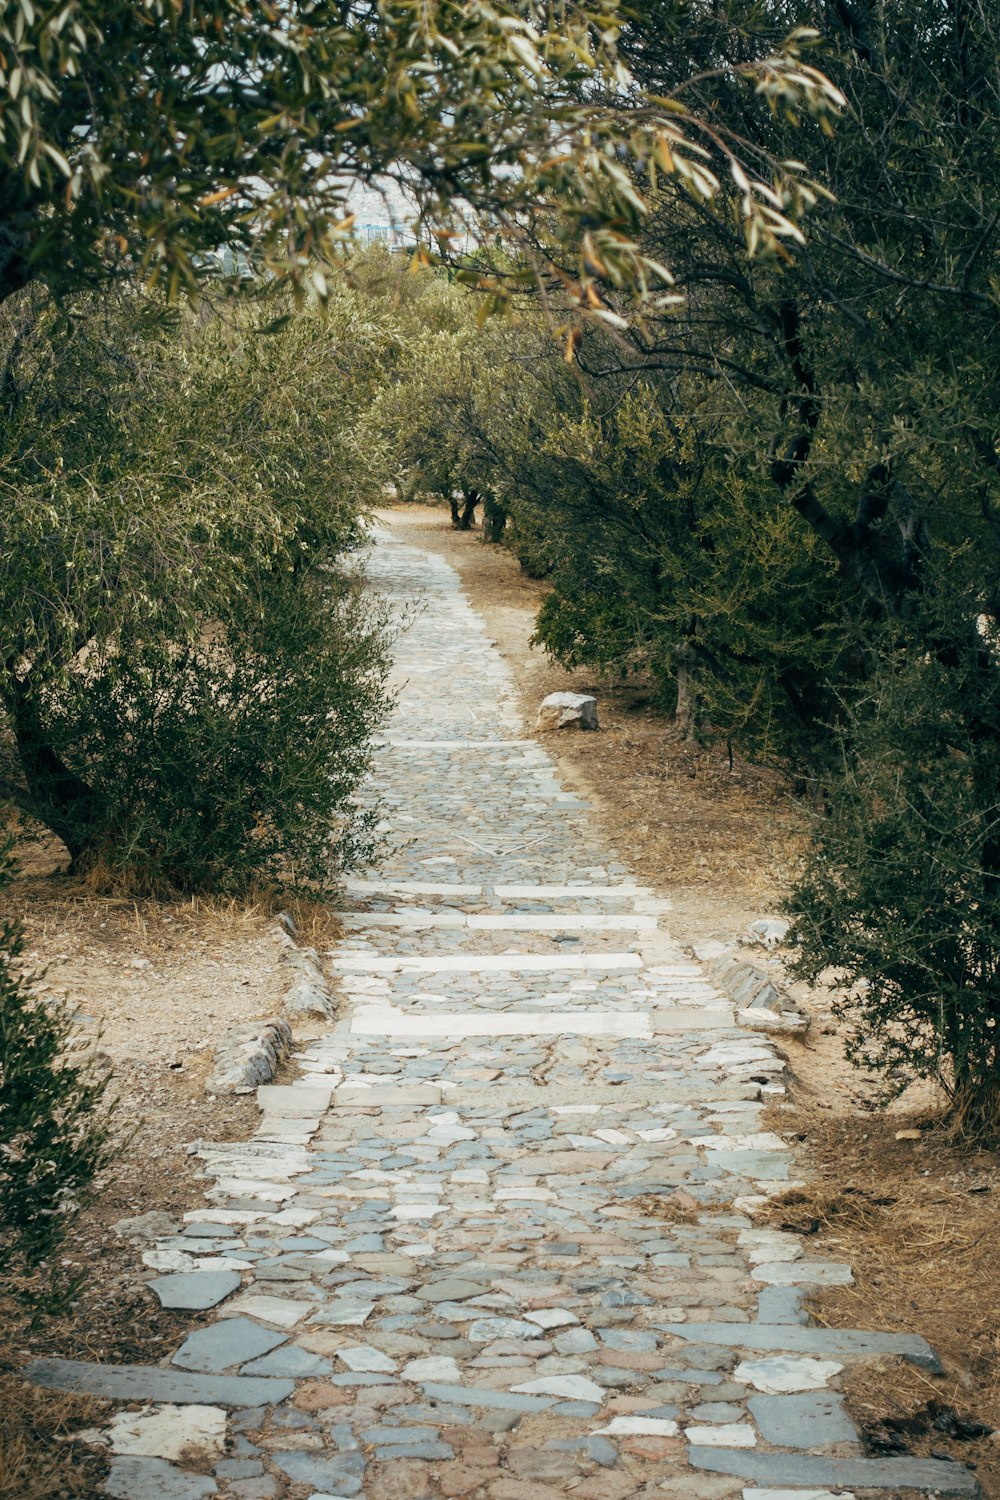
(36, 1463)
(917, 1221)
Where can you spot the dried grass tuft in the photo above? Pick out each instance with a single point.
(36, 1461)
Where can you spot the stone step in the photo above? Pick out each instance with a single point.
(371, 1021)
(482, 963)
(411, 888)
(792, 1339)
(483, 745)
(625, 890)
(414, 921)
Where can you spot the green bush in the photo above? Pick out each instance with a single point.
(225, 763)
(191, 678)
(55, 1130)
(901, 896)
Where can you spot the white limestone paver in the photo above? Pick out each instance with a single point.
(493, 1242)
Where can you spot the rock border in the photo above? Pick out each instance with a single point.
(249, 1056)
(762, 1004)
(250, 1053)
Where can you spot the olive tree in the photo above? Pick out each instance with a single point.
(190, 676)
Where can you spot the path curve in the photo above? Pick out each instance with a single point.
(496, 1241)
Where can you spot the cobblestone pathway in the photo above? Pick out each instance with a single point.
(443, 1267)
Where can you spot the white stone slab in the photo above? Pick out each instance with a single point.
(435, 1367)
(362, 1357)
(483, 963)
(552, 1317)
(278, 1099)
(550, 922)
(457, 744)
(639, 1426)
(422, 920)
(187, 1434)
(780, 1495)
(570, 1387)
(668, 1021)
(780, 1373)
(567, 892)
(279, 1312)
(404, 921)
(399, 1023)
(411, 888)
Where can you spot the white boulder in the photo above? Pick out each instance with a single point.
(567, 711)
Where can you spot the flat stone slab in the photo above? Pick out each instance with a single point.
(807, 1469)
(853, 1343)
(809, 1420)
(397, 744)
(802, 1272)
(569, 892)
(195, 1290)
(191, 1435)
(231, 1341)
(155, 1479)
(482, 963)
(780, 1374)
(339, 1474)
(417, 921)
(389, 1096)
(151, 1383)
(472, 1395)
(283, 1099)
(411, 888)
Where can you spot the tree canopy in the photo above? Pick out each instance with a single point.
(146, 136)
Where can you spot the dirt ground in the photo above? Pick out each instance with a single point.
(156, 984)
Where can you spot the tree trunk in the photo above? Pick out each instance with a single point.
(57, 797)
(686, 714)
(470, 501)
(494, 521)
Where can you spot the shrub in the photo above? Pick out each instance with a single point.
(901, 896)
(55, 1130)
(190, 679)
(230, 761)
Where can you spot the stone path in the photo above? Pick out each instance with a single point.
(497, 1240)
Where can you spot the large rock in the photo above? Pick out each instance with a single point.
(567, 711)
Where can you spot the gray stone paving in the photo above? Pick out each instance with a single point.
(439, 1266)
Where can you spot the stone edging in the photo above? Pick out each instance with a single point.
(250, 1053)
(763, 1005)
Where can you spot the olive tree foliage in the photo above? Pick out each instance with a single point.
(150, 135)
(902, 894)
(667, 562)
(859, 380)
(189, 677)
